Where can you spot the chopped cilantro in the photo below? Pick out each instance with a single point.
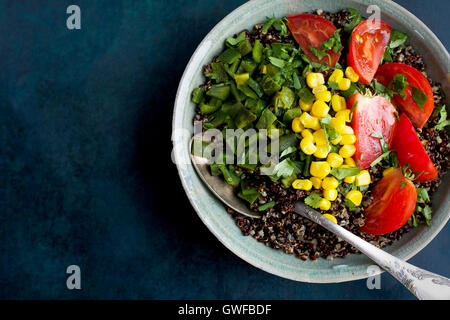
(313, 200)
(341, 173)
(443, 122)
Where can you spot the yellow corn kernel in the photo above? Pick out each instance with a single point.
(324, 205)
(297, 125)
(314, 79)
(320, 109)
(319, 88)
(309, 121)
(304, 106)
(385, 172)
(307, 134)
(344, 114)
(319, 169)
(307, 146)
(350, 179)
(316, 182)
(338, 103)
(362, 178)
(323, 96)
(337, 140)
(350, 162)
(338, 124)
(320, 137)
(347, 150)
(344, 84)
(321, 151)
(354, 196)
(302, 184)
(337, 75)
(241, 79)
(335, 160)
(330, 217)
(348, 139)
(330, 194)
(351, 74)
(264, 69)
(330, 183)
(347, 130)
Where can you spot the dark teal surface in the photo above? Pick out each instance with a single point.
(85, 164)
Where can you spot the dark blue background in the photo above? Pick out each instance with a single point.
(85, 165)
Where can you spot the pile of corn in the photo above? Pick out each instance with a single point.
(314, 140)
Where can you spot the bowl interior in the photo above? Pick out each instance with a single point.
(211, 210)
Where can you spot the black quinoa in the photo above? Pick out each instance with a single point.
(281, 228)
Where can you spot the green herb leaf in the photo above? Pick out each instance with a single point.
(443, 122)
(333, 42)
(313, 200)
(419, 97)
(277, 62)
(235, 41)
(319, 53)
(286, 168)
(380, 158)
(266, 206)
(422, 195)
(397, 39)
(355, 17)
(349, 204)
(268, 24)
(341, 173)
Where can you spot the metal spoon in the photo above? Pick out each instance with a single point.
(423, 284)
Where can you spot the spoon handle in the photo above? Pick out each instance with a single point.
(423, 284)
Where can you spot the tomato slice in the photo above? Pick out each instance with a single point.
(311, 30)
(410, 151)
(368, 42)
(373, 117)
(394, 201)
(414, 77)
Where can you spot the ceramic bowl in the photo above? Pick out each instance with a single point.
(212, 211)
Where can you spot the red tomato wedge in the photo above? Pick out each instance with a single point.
(411, 151)
(311, 30)
(368, 42)
(414, 77)
(373, 117)
(394, 201)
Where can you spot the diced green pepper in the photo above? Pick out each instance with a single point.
(266, 120)
(230, 176)
(208, 108)
(244, 47)
(269, 85)
(257, 51)
(239, 96)
(306, 95)
(241, 79)
(255, 87)
(230, 55)
(287, 182)
(219, 91)
(255, 106)
(290, 114)
(245, 89)
(197, 95)
(284, 99)
(247, 66)
(243, 118)
(232, 109)
(215, 120)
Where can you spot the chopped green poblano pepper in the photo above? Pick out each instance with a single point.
(290, 114)
(269, 85)
(208, 108)
(243, 118)
(247, 66)
(284, 99)
(244, 47)
(245, 89)
(197, 95)
(230, 55)
(266, 120)
(306, 95)
(241, 79)
(255, 87)
(219, 91)
(257, 51)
